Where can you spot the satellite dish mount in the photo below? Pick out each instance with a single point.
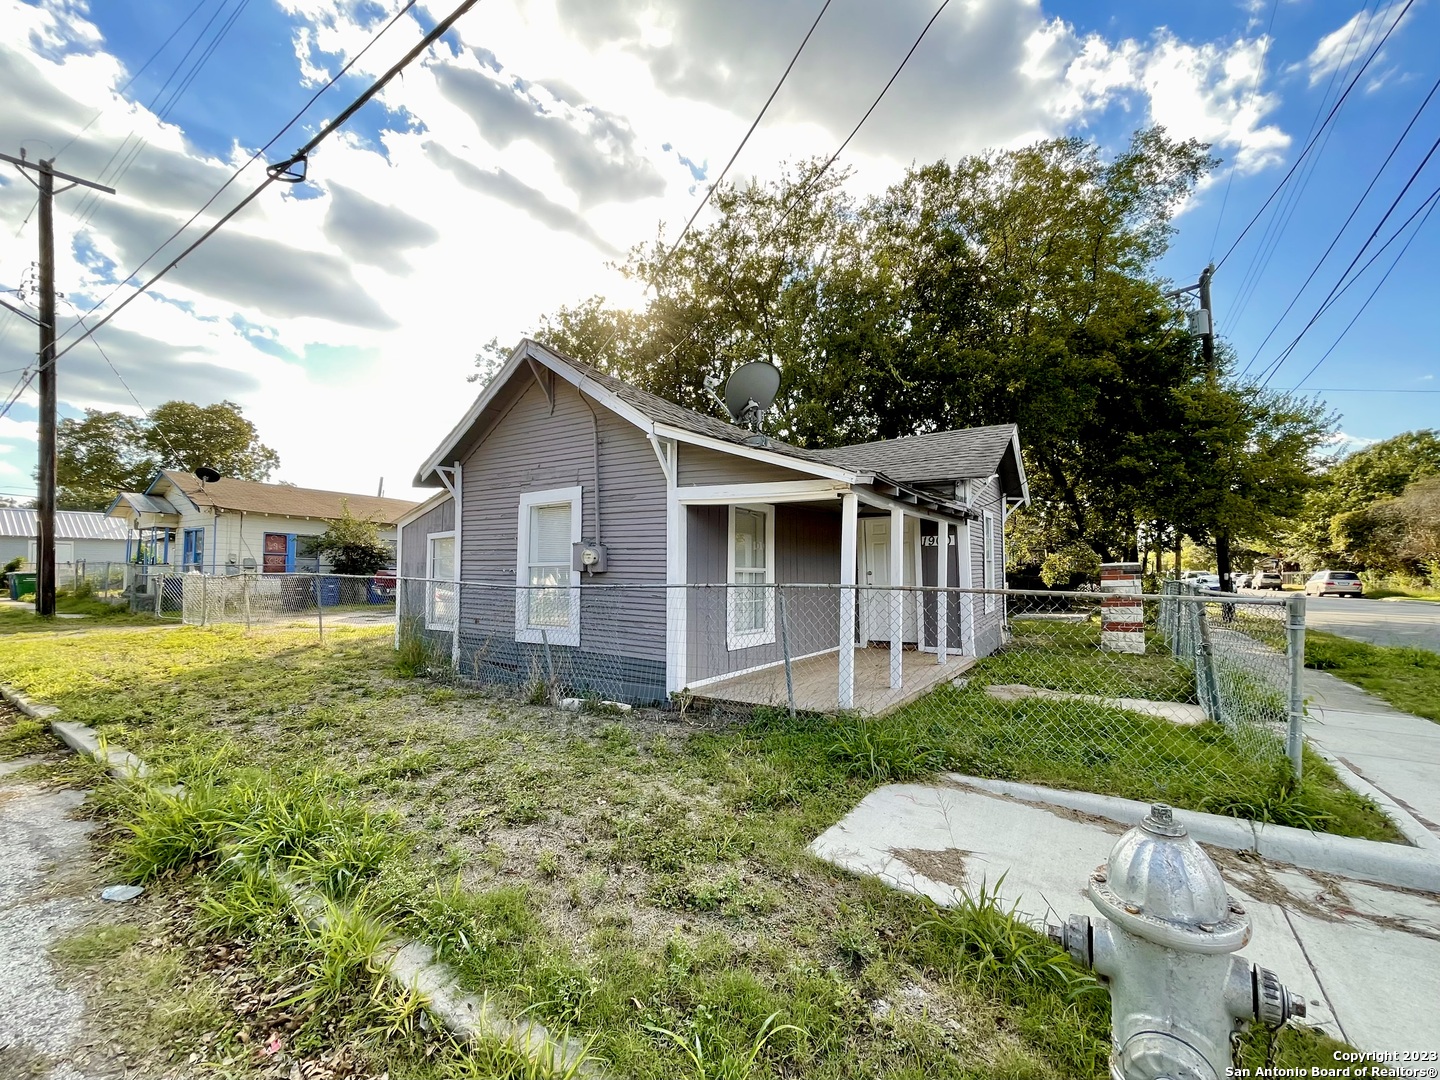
(750, 391)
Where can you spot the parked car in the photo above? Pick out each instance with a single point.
(1208, 582)
(1334, 582)
(1266, 579)
(1242, 581)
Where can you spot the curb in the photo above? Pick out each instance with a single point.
(409, 963)
(1366, 860)
(1414, 832)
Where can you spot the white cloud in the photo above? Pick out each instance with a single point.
(17, 430)
(547, 142)
(1350, 42)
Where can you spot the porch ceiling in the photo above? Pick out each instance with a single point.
(816, 681)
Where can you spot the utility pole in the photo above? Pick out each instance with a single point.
(1207, 349)
(45, 509)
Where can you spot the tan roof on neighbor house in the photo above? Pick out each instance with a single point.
(283, 500)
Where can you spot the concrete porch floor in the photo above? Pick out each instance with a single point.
(817, 678)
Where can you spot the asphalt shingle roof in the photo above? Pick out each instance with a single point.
(286, 501)
(961, 454)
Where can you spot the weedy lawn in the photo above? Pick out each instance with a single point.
(641, 882)
(1409, 679)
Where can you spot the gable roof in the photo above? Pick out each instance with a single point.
(69, 525)
(282, 500)
(965, 454)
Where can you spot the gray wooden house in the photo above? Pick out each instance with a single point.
(648, 549)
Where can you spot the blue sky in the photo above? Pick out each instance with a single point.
(500, 176)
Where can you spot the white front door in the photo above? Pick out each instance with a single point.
(875, 570)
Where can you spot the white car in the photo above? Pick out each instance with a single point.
(1334, 582)
(1204, 582)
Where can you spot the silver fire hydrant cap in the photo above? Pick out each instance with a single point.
(1159, 884)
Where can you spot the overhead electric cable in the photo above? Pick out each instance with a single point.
(1283, 213)
(128, 82)
(1341, 231)
(248, 162)
(1329, 117)
(1341, 284)
(856, 129)
(284, 171)
(1254, 86)
(753, 125)
(1354, 318)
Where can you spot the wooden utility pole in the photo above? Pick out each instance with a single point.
(45, 508)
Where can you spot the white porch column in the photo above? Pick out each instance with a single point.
(942, 598)
(967, 577)
(897, 595)
(849, 516)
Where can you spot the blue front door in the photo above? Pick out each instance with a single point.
(194, 554)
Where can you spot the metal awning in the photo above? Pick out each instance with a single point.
(135, 502)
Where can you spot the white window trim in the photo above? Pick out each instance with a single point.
(430, 580)
(556, 635)
(988, 539)
(746, 639)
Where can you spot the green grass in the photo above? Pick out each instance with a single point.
(642, 882)
(1409, 679)
(21, 620)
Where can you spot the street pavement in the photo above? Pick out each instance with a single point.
(1397, 752)
(1380, 622)
(1363, 956)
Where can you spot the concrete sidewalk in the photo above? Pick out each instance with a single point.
(1363, 956)
(1395, 751)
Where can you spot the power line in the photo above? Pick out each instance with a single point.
(236, 174)
(1254, 86)
(856, 129)
(1354, 318)
(753, 125)
(128, 82)
(283, 171)
(1341, 231)
(1273, 369)
(1325, 124)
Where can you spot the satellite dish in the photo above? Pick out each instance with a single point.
(751, 390)
(207, 475)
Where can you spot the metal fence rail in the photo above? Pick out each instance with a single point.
(1004, 674)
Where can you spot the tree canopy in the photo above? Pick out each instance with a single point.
(1010, 286)
(353, 545)
(108, 452)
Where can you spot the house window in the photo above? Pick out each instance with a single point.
(440, 588)
(547, 601)
(194, 554)
(990, 578)
(750, 599)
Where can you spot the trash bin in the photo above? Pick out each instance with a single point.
(20, 584)
(329, 591)
(381, 588)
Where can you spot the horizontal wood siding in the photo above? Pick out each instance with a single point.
(807, 550)
(532, 449)
(414, 549)
(988, 625)
(699, 465)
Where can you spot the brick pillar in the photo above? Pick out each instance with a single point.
(1122, 612)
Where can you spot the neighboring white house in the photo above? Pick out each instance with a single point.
(229, 526)
(80, 536)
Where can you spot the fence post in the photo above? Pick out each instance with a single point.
(785, 649)
(1295, 633)
(159, 580)
(319, 607)
(1209, 690)
(204, 601)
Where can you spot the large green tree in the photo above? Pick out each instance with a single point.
(1011, 286)
(108, 452)
(1325, 532)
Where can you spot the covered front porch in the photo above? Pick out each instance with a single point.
(815, 682)
(848, 588)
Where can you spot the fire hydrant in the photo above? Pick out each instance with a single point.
(1164, 947)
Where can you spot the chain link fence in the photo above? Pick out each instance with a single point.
(1196, 700)
(251, 599)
